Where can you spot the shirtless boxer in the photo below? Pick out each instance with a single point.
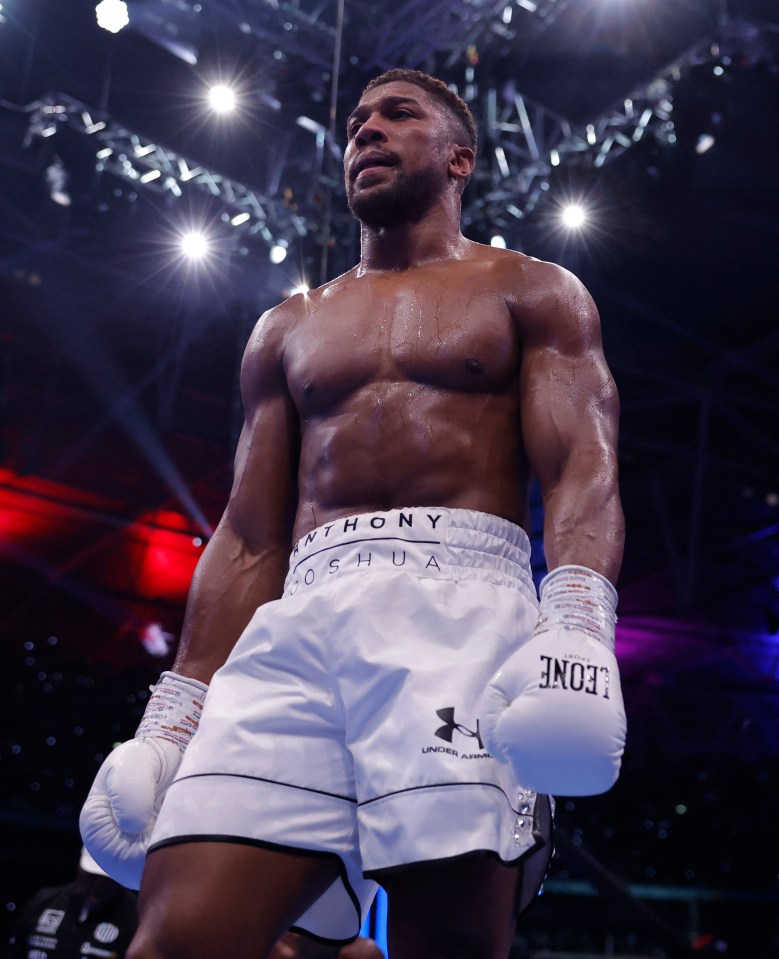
(393, 418)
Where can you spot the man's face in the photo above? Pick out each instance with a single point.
(395, 163)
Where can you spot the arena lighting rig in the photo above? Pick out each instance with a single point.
(153, 166)
(410, 31)
(417, 27)
(528, 143)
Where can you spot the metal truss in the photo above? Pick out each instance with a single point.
(153, 166)
(295, 27)
(419, 28)
(408, 34)
(528, 142)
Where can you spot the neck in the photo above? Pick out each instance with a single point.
(436, 236)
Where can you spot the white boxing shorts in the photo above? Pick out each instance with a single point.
(343, 723)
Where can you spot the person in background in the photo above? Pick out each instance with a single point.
(91, 916)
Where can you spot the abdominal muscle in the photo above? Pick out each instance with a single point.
(396, 444)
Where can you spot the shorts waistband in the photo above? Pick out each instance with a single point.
(438, 543)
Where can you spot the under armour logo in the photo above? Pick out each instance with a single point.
(447, 730)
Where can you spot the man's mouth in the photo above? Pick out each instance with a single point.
(372, 161)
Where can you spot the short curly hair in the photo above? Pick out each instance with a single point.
(454, 104)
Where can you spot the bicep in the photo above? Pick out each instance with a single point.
(263, 496)
(569, 406)
(568, 399)
(264, 491)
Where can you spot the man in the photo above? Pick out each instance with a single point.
(91, 915)
(392, 420)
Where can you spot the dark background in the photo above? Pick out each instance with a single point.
(119, 407)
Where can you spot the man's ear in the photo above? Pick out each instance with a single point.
(462, 161)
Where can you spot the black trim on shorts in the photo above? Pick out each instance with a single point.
(519, 863)
(367, 539)
(376, 874)
(409, 789)
(544, 846)
(279, 847)
(274, 782)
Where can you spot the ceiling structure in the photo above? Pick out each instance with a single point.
(118, 392)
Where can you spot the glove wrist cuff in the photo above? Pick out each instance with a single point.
(174, 709)
(575, 597)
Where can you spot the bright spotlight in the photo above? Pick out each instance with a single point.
(573, 216)
(221, 98)
(194, 245)
(301, 287)
(112, 15)
(498, 241)
(278, 253)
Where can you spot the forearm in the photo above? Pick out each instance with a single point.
(230, 582)
(583, 521)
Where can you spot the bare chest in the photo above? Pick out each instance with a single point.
(447, 332)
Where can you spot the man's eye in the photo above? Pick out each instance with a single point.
(352, 129)
(403, 113)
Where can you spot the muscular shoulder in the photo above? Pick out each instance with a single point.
(266, 342)
(274, 326)
(549, 303)
(523, 278)
(262, 367)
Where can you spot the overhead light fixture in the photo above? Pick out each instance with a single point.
(573, 216)
(194, 245)
(222, 98)
(278, 252)
(112, 15)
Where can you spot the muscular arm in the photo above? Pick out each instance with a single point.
(569, 416)
(244, 564)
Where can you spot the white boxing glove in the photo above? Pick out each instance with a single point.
(122, 807)
(554, 711)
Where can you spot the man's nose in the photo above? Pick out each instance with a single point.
(371, 131)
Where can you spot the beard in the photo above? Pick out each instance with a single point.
(405, 200)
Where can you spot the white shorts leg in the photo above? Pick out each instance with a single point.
(344, 721)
